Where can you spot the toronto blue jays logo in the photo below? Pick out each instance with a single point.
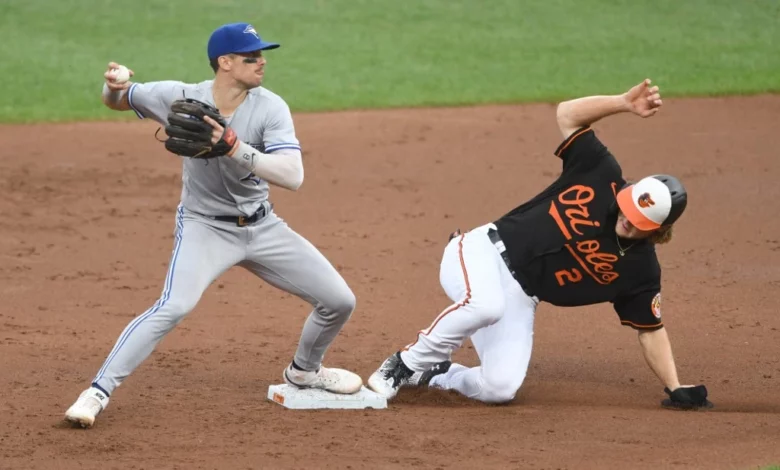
(252, 178)
(251, 30)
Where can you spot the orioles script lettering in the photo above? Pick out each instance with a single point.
(576, 218)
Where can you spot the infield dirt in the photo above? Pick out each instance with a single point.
(86, 224)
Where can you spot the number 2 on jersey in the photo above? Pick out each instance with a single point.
(572, 275)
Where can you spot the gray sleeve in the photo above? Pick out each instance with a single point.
(153, 100)
(279, 132)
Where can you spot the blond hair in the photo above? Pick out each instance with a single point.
(662, 235)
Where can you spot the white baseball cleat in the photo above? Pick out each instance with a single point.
(333, 380)
(89, 404)
(391, 376)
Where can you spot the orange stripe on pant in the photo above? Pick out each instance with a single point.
(451, 308)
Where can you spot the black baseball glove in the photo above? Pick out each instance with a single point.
(190, 136)
(687, 398)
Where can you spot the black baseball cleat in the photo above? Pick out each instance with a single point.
(436, 369)
(391, 376)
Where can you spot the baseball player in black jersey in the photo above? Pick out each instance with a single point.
(588, 238)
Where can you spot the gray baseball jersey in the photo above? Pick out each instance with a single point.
(221, 186)
(204, 247)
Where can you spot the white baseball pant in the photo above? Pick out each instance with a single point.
(492, 309)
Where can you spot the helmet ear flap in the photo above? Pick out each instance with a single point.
(679, 197)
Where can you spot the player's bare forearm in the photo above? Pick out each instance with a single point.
(657, 350)
(115, 99)
(585, 111)
(116, 85)
(642, 100)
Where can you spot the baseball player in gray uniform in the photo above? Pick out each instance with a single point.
(225, 219)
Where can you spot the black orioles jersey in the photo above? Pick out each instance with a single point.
(563, 246)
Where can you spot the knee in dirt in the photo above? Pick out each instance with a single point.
(500, 388)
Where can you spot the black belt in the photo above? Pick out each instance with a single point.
(243, 220)
(495, 239)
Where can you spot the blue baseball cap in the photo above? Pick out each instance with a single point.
(236, 38)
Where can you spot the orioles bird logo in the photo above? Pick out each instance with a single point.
(645, 200)
(655, 305)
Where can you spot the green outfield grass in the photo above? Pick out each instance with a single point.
(340, 54)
